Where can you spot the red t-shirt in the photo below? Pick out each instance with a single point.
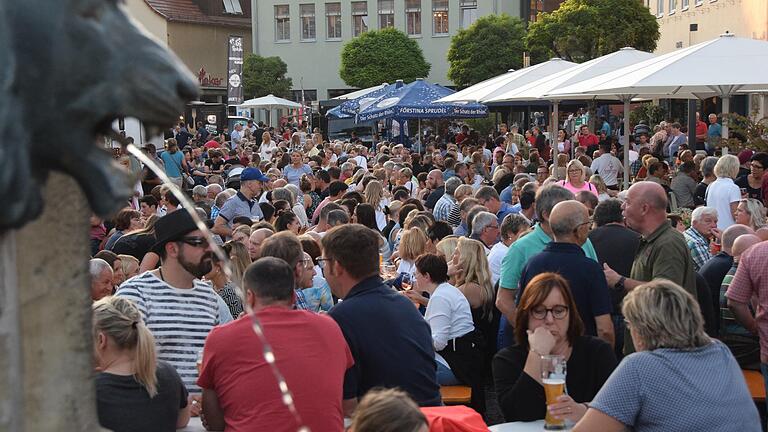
(588, 140)
(312, 355)
(212, 145)
(701, 129)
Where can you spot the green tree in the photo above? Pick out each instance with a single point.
(489, 47)
(580, 30)
(265, 75)
(382, 56)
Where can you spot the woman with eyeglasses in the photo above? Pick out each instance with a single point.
(548, 323)
(576, 179)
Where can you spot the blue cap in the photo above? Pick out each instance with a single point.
(253, 174)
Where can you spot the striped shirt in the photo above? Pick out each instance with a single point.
(179, 319)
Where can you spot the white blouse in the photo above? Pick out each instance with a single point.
(448, 314)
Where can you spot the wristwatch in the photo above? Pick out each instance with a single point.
(620, 284)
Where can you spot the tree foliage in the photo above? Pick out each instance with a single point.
(747, 132)
(580, 30)
(265, 75)
(652, 114)
(489, 47)
(382, 56)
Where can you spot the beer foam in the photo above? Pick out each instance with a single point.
(553, 381)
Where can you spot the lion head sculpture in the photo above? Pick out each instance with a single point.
(68, 69)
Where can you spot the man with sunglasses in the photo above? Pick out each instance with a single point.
(569, 221)
(177, 307)
(244, 203)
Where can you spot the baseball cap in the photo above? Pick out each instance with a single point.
(251, 173)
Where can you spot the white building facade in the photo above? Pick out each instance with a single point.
(309, 35)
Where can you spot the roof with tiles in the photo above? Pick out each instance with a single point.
(188, 11)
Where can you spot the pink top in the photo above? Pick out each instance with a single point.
(751, 279)
(587, 186)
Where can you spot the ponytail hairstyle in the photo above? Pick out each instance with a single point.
(121, 321)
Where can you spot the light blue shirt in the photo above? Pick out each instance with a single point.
(172, 163)
(679, 390)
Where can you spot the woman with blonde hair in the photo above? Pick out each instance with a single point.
(413, 242)
(475, 278)
(130, 265)
(599, 184)
(374, 195)
(226, 286)
(267, 147)
(388, 410)
(575, 181)
(750, 212)
(134, 391)
(239, 260)
(241, 234)
(679, 378)
(723, 194)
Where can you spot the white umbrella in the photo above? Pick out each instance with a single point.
(537, 90)
(509, 81)
(269, 102)
(720, 67)
(358, 93)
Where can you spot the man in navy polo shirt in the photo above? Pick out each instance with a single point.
(569, 221)
(389, 339)
(243, 203)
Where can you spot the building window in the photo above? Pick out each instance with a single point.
(672, 6)
(536, 7)
(468, 12)
(659, 8)
(308, 28)
(439, 17)
(699, 2)
(386, 13)
(282, 23)
(233, 7)
(684, 4)
(333, 20)
(359, 18)
(413, 17)
(309, 95)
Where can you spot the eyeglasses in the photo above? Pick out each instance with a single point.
(195, 241)
(321, 262)
(493, 226)
(558, 312)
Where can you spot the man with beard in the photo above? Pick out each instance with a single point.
(177, 307)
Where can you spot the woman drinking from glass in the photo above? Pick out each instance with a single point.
(548, 323)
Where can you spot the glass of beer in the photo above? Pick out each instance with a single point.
(553, 378)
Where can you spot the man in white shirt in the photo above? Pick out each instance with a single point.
(607, 166)
(511, 227)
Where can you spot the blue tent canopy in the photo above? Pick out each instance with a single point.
(411, 101)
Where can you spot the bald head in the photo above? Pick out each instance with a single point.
(731, 233)
(650, 193)
(762, 233)
(279, 183)
(744, 242)
(565, 219)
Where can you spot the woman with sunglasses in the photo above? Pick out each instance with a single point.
(548, 323)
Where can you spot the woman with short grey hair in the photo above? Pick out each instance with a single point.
(679, 378)
(723, 194)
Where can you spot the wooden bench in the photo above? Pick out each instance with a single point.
(756, 384)
(461, 395)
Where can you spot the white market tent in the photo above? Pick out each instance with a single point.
(509, 81)
(720, 67)
(358, 93)
(537, 90)
(269, 102)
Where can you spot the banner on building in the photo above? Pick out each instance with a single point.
(235, 71)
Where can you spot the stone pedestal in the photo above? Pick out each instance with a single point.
(46, 366)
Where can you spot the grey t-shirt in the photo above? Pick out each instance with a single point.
(676, 390)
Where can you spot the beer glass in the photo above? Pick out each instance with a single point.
(406, 282)
(553, 379)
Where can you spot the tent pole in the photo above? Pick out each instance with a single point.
(726, 111)
(553, 131)
(626, 101)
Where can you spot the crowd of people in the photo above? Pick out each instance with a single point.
(459, 260)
